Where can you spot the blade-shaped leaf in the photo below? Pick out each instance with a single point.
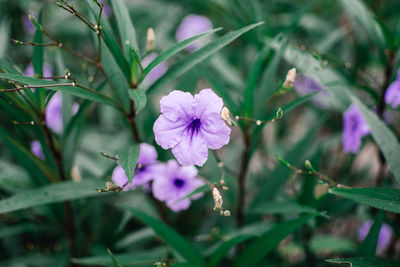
(53, 193)
(73, 90)
(281, 208)
(368, 246)
(172, 51)
(128, 160)
(139, 97)
(381, 198)
(260, 247)
(365, 262)
(200, 55)
(172, 238)
(113, 259)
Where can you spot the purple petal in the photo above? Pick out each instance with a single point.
(168, 133)
(207, 102)
(385, 234)
(158, 71)
(392, 95)
(177, 105)
(148, 154)
(146, 174)
(214, 131)
(119, 177)
(36, 149)
(180, 205)
(192, 25)
(354, 129)
(53, 113)
(192, 149)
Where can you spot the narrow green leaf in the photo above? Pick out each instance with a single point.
(126, 29)
(281, 208)
(73, 90)
(53, 193)
(365, 262)
(384, 137)
(139, 97)
(128, 160)
(370, 243)
(381, 198)
(200, 55)
(8, 67)
(113, 260)
(172, 238)
(260, 247)
(172, 51)
(331, 244)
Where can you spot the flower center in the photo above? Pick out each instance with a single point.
(178, 182)
(194, 127)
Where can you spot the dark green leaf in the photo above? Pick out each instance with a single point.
(172, 238)
(368, 246)
(366, 262)
(139, 97)
(281, 208)
(331, 244)
(53, 193)
(381, 198)
(128, 160)
(8, 67)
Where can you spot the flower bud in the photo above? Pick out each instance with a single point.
(217, 199)
(226, 116)
(227, 213)
(150, 39)
(290, 77)
(109, 185)
(279, 113)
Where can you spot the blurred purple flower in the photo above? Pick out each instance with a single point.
(354, 129)
(175, 183)
(53, 113)
(304, 84)
(158, 71)
(146, 170)
(29, 28)
(392, 95)
(385, 234)
(107, 10)
(47, 70)
(36, 149)
(190, 125)
(190, 26)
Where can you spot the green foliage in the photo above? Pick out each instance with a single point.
(128, 159)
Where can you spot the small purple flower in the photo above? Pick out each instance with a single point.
(190, 125)
(29, 28)
(47, 70)
(175, 183)
(36, 149)
(385, 234)
(354, 129)
(53, 113)
(158, 71)
(146, 170)
(392, 95)
(190, 26)
(304, 84)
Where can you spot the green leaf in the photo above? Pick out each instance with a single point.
(197, 57)
(73, 90)
(382, 198)
(128, 160)
(331, 244)
(281, 208)
(53, 193)
(384, 137)
(172, 238)
(365, 262)
(368, 246)
(113, 260)
(201, 189)
(172, 51)
(126, 29)
(134, 258)
(261, 246)
(139, 97)
(8, 67)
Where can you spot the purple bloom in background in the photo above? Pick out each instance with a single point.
(190, 26)
(53, 113)
(107, 10)
(47, 70)
(29, 28)
(36, 149)
(147, 169)
(175, 183)
(354, 129)
(158, 71)
(304, 84)
(392, 95)
(190, 125)
(385, 234)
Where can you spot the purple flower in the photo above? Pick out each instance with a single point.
(36, 149)
(392, 95)
(47, 70)
(29, 28)
(107, 11)
(354, 129)
(304, 84)
(190, 26)
(175, 183)
(146, 170)
(190, 125)
(157, 72)
(53, 113)
(385, 234)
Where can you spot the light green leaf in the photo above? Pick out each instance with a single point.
(113, 259)
(139, 97)
(381, 198)
(281, 208)
(197, 57)
(172, 51)
(261, 246)
(53, 193)
(73, 90)
(365, 262)
(331, 244)
(368, 246)
(128, 160)
(384, 137)
(8, 67)
(172, 238)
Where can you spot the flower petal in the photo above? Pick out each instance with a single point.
(180, 205)
(207, 102)
(167, 132)
(214, 131)
(392, 95)
(177, 105)
(191, 150)
(148, 154)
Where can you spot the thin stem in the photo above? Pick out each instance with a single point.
(223, 165)
(131, 119)
(33, 43)
(35, 86)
